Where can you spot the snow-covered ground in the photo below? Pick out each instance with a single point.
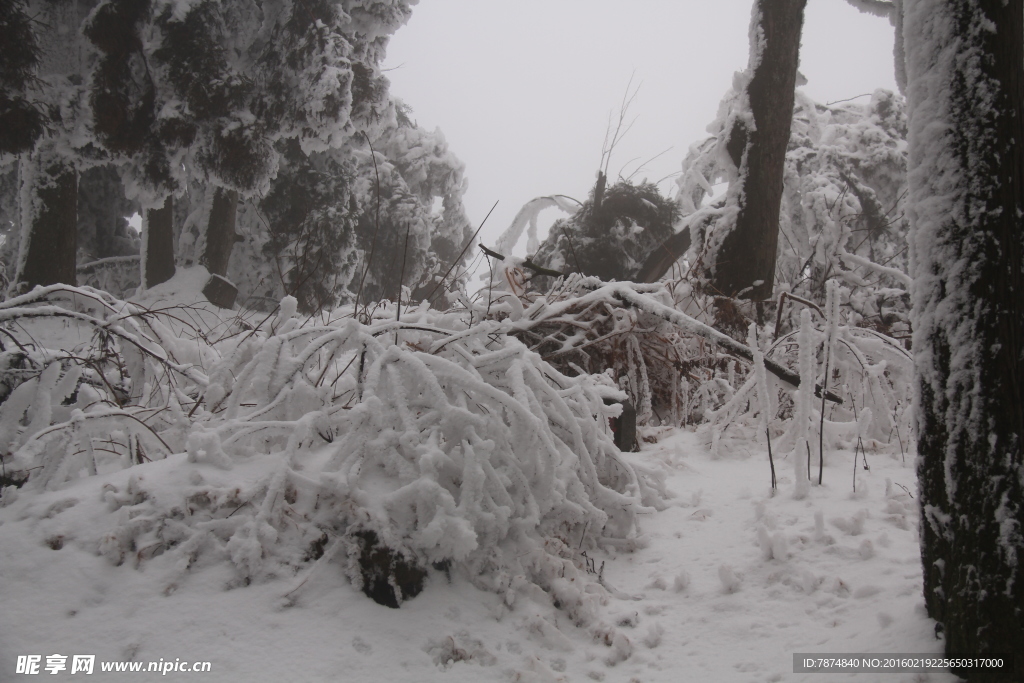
(733, 581)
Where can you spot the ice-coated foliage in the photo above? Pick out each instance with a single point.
(654, 342)
(842, 207)
(450, 445)
(869, 372)
(269, 99)
(348, 221)
(610, 236)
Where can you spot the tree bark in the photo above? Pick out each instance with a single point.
(220, 232)
(748, 251)
(102, 209)
(664, 257)
(966, 98)
(49, 245)
(159, 243)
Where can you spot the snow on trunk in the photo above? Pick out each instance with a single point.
(967, 196)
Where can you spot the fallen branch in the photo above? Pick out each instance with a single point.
(625, 293)
(684, 322)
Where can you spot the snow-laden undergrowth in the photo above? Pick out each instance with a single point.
(395, 447)
(387, 446)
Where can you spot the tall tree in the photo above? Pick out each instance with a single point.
(21, 119)
(756, 141)
(158, 252)
(966, 97)
(48, 170)
(208, 93)
(49, 236)
(345, 222)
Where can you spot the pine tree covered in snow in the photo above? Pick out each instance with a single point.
(610, 238)
(967, 197)
(345, 222)
(209, 110)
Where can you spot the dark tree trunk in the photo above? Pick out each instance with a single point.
(220, 232)
(747, 254)
(966, 99)
(664, 257)
(160, 244)
(102, 212)
(48, 255)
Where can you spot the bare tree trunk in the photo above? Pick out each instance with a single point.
(220, 232)
(966, 97)
(664, 257)
(159, 244)
(50, 224)
(747, 254)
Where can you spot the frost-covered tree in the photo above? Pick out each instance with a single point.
(966, 101)
(206, 95)
(610, 238)
(842, 211)
(343, 222)
(434, 183)
(216, 106)
(21, 119)
(310, 213)
(48, 166)
(843, 207)
(742, 262)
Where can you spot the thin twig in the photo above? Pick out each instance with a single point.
(461, 253)
(376, 227)
(572, 250)
(401, 282)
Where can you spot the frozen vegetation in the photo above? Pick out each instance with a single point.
(284, 431)
(257, 491)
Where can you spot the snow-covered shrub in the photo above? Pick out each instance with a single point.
(112, 393)
(580, 332)
(677, 369)
(455, 446)
(392, 446)
(866, 374)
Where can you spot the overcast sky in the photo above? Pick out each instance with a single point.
(523, 89)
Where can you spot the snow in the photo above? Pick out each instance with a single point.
(555, 557)
(703, 601)
(945, 272)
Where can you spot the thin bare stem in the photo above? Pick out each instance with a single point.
(376, 227)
